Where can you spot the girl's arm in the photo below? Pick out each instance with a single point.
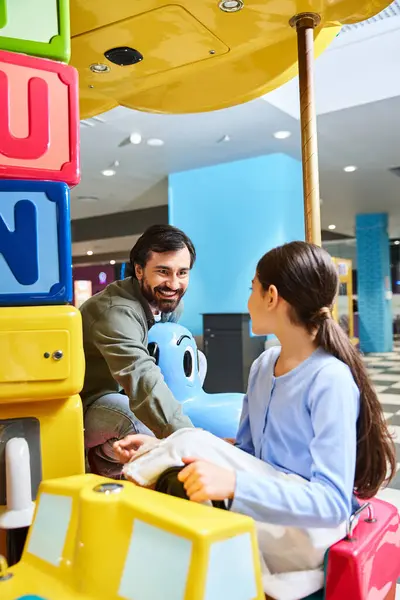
(244, 439)
(326, 500)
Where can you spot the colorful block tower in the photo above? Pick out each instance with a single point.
(41, 353)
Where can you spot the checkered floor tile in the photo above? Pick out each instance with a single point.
(384, 370)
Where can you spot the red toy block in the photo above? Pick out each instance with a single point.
(39, 119)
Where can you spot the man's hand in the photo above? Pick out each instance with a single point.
(126, 448)
(205, 481)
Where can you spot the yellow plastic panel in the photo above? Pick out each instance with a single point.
(61, 434)
(41, 353)
(179, 78)
(23, 356)
(156, 34)
(345, 271)
(103, 534)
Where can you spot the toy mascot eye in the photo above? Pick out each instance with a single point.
(154, 351)
(189, 363)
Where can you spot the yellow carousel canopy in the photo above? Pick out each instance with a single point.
(194, 56)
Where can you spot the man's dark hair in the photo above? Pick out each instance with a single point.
(159, 238)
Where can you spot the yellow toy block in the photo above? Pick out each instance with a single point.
(53, 433)
(93, 538)
(41, 353)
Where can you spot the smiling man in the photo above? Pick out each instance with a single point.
(124, 391)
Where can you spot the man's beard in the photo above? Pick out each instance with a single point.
(158, 301)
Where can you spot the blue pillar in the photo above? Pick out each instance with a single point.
(234, 213)
(374, 283)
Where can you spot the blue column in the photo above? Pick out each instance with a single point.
(374, 283)
(234, 213)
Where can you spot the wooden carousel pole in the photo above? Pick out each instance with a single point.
(304, 24)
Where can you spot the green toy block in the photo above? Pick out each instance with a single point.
(36, 27)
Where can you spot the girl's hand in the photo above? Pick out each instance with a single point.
(126, 448)
(205, 481)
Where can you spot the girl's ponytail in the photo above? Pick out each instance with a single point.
(376, 454)
(307, 280)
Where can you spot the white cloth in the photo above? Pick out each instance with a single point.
(291, 558)
(202, 367)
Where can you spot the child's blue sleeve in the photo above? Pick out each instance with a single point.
(326, 500)
(244, 439)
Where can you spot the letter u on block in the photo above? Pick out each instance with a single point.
(39, 119)
(37, 142)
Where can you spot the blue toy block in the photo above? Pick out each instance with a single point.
(35, 243)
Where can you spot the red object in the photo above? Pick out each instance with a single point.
(367, 567)
(39, 119)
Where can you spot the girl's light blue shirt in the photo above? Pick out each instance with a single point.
(304, 423)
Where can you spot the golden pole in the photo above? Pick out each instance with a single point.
(305, 24)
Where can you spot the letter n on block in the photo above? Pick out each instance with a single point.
(35, 243)
(39, 119)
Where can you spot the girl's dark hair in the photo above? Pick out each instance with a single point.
(159, 238)
(306, 277)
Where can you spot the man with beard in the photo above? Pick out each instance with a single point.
(124, 391)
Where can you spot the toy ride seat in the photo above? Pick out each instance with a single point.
(366, 564)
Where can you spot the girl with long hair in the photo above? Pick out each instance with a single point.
(311, 415)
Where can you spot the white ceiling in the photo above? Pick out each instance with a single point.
(358, 106)
(117, 244)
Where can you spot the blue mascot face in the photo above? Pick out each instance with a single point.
(176, 354)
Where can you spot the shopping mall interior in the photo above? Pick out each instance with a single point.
(132, 161)
(232, 179)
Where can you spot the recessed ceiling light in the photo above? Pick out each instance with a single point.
(331, 227)
(231, 5)
(135, 138)
(155, 142)
(350, 169)
(89, 252)
(99, 68)
(282, 135)
(108, 172)
(112, 262)
(397, 242)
